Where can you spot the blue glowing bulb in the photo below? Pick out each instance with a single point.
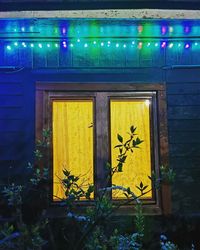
(40, 45)
(22, 29)
(8, 47)
(117, 45)
(32, 45)
(48, 45)
(102, 44)
(156, 44)
(85, 45)
(124, 45)
(78, 40)
(16, 44)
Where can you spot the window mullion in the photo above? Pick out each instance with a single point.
(102, 140)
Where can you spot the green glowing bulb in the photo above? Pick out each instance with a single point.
(78, 40)
(85, 45)
(156, 44)
(40, 45)
(48, 45)
(102, 44)
(94, 42)
(71, 45)
(8, 47)
(117, 45)
(171, 45)
(56, 45)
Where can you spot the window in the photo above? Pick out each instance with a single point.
(85, 120)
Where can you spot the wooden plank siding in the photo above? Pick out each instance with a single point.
(183, 87)
(17, 105)
(15, 131)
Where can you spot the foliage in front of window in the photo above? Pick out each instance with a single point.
(98, 215)
(167, 176)
(89, 231)
(125, 147)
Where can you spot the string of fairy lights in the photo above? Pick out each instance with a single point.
(102, 44)
(65, 35)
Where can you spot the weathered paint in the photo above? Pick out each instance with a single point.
(106, 14)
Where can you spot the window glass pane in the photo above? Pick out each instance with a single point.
(72, 142)
(137, 168)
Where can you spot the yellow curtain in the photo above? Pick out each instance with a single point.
(123, 114)
(72, 142)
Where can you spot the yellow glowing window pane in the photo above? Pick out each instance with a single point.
(72, 142)
(137, 167)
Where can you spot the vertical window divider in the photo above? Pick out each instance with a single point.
(102, 140)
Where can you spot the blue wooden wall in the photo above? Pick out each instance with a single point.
(17, 104)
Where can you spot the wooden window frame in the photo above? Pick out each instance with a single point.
(47, 92)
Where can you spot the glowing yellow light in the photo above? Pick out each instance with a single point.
(72, 142)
